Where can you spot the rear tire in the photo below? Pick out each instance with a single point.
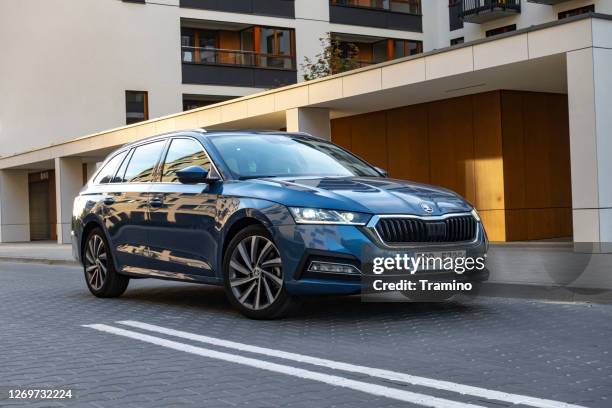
(100, 275)
(253, 277)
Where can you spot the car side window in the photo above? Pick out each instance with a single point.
(143, 161)
(105, 175)
(119, 177)
(183, 153)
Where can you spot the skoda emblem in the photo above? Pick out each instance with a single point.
(427, 208)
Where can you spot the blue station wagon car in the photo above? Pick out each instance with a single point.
(271, 216)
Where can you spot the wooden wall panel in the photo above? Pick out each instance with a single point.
(494, 223)
(513, 149)
(408, 141)
(538, 172)
(369, 138)
(536, 165)
(505, 151)
(341, 132)
(488, 162)
(561, 189)
(452, 145)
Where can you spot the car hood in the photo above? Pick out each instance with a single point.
(374, 195)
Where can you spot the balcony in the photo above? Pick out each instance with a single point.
(392, 14)
(214, 66)
(480, 11)
(362, 51)
(276, 8)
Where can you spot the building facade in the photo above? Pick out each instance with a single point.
(497, 100)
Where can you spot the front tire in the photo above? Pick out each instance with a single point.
(253, 275)
(100, 275)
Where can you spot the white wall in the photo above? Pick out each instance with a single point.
(66, 64)
(65, 75)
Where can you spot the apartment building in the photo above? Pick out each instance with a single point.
(449, 92)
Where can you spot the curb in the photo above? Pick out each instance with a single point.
(18, 259)
(546, 292)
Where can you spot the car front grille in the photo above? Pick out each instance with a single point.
(409, 230)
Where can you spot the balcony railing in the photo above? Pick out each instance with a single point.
(218, 56)
(398, 6)
(479, 11)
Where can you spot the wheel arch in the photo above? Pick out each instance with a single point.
(89, 224)
(237, 222)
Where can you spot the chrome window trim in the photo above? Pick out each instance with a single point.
(161, 160)
(371, 226)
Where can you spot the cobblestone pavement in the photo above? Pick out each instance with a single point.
(554, 351)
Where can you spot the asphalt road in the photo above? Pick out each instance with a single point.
(182, 345)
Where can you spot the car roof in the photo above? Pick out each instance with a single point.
(206, 133)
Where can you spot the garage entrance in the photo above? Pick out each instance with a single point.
(41, 190)
(507, 152)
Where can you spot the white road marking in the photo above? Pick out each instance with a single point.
(374, 389)
(373, 372)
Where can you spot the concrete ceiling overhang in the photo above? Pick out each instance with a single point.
(546, 74)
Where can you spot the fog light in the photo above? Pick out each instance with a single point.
(329, 267)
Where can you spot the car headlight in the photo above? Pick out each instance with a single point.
(475, 214)
(322, 216)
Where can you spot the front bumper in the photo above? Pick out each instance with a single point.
(300, 244)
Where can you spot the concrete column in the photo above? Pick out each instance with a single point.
(91, 169)
(14, 206)
(589, 80)
(314, 121)
(68, 182)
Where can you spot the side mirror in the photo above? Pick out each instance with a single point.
(194, 175)
(383, 172)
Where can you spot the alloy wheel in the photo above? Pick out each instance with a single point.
(255, 272)
(96, 262)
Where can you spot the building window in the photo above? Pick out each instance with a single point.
(136, 106)
(399, 6)
(577, 11)
(404, 48)
(458, 40)
(192, 101)
(275, 43)
(501, 30)
(454, 15)
(369, 53)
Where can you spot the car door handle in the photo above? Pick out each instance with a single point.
(156, 202)
(108, 200)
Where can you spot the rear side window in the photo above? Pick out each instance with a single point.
(143, 161)
(121, 172)
(183, 153)
(105, 175)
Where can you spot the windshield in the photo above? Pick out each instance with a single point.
(257, 156)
